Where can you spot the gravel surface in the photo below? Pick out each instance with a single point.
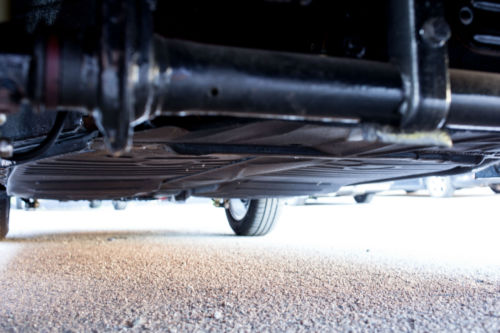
(119, 275)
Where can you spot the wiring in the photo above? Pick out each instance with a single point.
(46, 144)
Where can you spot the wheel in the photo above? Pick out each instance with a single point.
(95, 203)
(31, 204)
(252, 217)
(4, 214)
(495, 188)
(439, 187)
(364, 198)
(19, 203)
(119, 204)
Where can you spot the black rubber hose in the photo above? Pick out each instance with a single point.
(46, 144)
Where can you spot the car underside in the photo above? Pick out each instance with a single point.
(243, 99)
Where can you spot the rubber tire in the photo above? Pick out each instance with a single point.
(4, 214)
(447, 190)
(259, 220)
(364, 198)
(119, 204)
(95, 204)
(495, 188)
(19, 203)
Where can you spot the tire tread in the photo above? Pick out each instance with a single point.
(260, 218)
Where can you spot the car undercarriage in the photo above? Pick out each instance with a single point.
(117, 99)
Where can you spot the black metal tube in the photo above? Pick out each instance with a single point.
(475, 101)
(197, 79)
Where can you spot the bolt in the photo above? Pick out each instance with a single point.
(6, 149)
(354, 48)
(436, 32)
(466, 15)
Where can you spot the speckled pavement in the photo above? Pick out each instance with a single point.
(115, 274)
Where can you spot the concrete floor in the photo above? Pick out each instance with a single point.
(401, 263)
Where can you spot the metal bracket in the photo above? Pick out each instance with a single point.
(125, 63)
(387, 134)
(418, 37)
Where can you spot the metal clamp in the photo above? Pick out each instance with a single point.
(417, 44)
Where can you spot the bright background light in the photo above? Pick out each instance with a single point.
(452, 235)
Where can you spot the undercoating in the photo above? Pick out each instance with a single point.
(249, 160)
